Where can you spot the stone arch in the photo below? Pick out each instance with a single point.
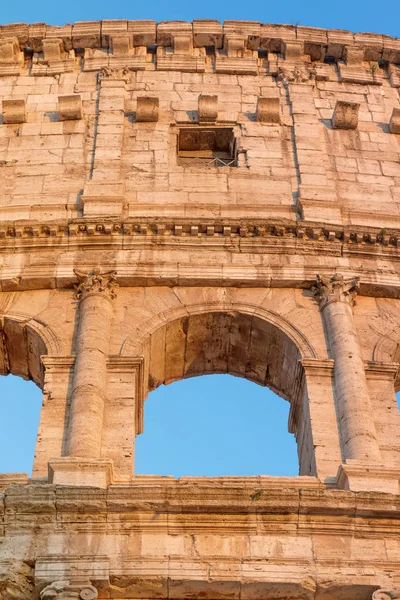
(23, 340)
(252, 326)
(238, 339)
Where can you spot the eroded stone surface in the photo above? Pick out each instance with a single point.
(264, 245)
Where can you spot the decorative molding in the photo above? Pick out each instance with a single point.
(95, 282)
(128, 46)
(385, 594)
(66, 590)
(335, 289)
(20, 232)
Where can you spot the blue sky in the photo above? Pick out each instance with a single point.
(216, 424)
(211, 425)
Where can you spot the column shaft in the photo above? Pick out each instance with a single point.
(356, 423)
(90, 373)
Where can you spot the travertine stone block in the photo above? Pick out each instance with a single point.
(250, 30)
(53, 49)
(14, 111)
(70, 107)
(82, 472)
(9, 50)
(354, 55)
(394, 75)
(121, 44)
(207, 33)
(144, 33)
(394, 124)
(86, 34)
(345, 115)
(293, 49)
(147, 109)
(168, 29)
(208, 108)
(268, 110)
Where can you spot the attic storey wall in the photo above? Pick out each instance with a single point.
(78, 146)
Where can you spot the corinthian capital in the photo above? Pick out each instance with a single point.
(392, 594)
(65, 590)
(96, 282)
(335, 289)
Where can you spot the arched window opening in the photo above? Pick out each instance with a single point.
(216, 425)
(21, 404)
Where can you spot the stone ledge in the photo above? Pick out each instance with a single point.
(80, 471)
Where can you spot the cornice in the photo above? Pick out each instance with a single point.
(28, 235)
(288, 52)
(202, 504)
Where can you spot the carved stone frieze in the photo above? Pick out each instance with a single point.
(95, 282)
(335, 289)
(66, 590)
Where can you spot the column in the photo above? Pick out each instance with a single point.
(356, 424)
(95, 294)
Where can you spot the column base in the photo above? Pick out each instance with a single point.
(357, 476)
(88, 472)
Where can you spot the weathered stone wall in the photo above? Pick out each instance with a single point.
(180, 199)
(292, 160)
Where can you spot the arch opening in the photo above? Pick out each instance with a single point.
(22, 343)
(21, 405)
(216, 425)
(265, 350)
(235, 343)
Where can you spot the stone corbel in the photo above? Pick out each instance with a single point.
(356, 71)
(273, 37)
(394, 125)
(86, 34)
(207, 33)
(53, 49)
(354, 55)
(14, 111)
(70, 107)
(240, 50)
(121, 44)
(175, 49)
(144, 33)
(315, 41)
(293, 50)
(11, 57)
(345, 115)
(208, 109)
(394, 75)
(268, 110)
(56, 58)
(147, 109)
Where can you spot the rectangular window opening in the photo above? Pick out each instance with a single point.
(207, 147)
